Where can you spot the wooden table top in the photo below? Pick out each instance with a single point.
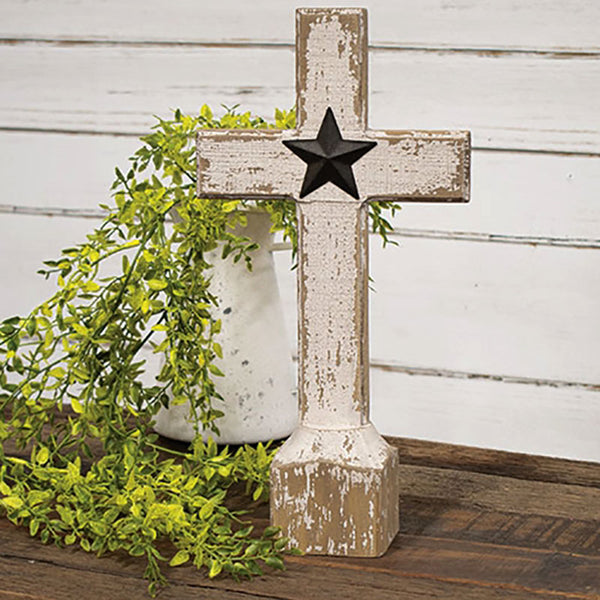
(474, 524)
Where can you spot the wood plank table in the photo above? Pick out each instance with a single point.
(475, 524)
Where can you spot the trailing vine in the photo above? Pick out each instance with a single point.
(95, 474)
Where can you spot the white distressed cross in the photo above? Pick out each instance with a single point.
(335, 481)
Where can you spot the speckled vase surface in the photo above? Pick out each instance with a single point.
(258, 387)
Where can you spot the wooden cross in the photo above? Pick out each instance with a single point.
(334, 483)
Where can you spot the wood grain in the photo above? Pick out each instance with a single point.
(463, 535)
(444, 519)
(37, 580)
(493, 462)
(491, 492)
(301, 581)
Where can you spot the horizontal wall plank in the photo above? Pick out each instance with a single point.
(61, 171)
(26, 241)
(125, 88)
(486, 308)
(500, 24)
(513, 194)
(517, 311)
(488, 414)
(519, 195)
(512, 102)
(514, 311)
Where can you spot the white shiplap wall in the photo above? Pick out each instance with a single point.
(485, 322)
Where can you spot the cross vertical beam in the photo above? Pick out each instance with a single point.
(331, 67)
(331, 70)
(333, 315)
(334, 483)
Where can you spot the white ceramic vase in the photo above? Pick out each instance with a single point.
(258, 387)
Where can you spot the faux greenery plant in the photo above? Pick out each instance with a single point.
(99, 477)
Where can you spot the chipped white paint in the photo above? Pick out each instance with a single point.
(320, 491)
(335, 481)
(412, 165)
(254, 160)
(329, 70)
(416, 166)
(333, 382)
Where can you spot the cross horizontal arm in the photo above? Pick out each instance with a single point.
(416, 166)
(246, 164)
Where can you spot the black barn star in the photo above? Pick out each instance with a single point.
(329, 157)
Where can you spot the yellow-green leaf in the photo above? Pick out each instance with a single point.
(180, 558)
(34, 526)
(230, 206)
(129, 244)
(12, 501)
(257, 493)
(215, 370)
(225, 470)
(206, 112)
(215, 569)
(91, 286)
(156, 284)
(80, 329)
(206, 510)
(179, 400)
(57, 372)
(77, 406)
(42, 456)
(275, 562)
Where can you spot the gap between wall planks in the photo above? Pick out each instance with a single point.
(499, 25)
(465, 236)
(508, 102)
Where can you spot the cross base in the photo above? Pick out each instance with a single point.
(336, 491)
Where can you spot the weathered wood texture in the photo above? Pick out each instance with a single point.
(521, 76)
(473, 524)
(335, 444)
